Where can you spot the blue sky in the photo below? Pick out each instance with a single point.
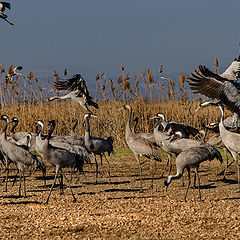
(96, 36)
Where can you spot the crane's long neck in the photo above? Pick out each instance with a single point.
(50, 131)
(87, 130)
(13, 128)
(58, 97)
(5, 129)
(129, 132)
(172, 177)
(221, 125)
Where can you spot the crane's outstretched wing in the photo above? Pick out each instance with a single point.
(76, 83)
(214, 86)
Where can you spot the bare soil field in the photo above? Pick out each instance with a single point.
(117, 209)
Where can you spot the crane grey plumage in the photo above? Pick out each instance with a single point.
(221, 87)
(139, 145)
(192, 157)
(78, 91)
(3, 6)
(18, 154)
(96, 145)
(58, 157)
(149, 136)
(165, 138)
(231, 140)
(216, 141)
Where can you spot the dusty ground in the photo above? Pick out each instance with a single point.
(118, 210)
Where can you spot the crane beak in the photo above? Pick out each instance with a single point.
(198, 108)
(153, 117)
(120, 109)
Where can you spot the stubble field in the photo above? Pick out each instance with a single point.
(117, 209)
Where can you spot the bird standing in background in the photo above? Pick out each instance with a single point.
(3, 6)
(78, 91)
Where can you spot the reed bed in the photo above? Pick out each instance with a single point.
(24, 97)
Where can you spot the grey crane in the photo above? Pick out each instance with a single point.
(173, 143)
(216, 141)
(78, 91)
(58, 157)
(149, 136)
(96, 145)
(18, 154)
(139, 145)
(231, 140)
(192, 157)
(3, 6)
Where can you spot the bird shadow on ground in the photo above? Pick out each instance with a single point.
(122, 190)
(22, 202)
(46, 177)
(228, 173)
(224, 180)
(206, 186)
(106, 183)
(17, 196)
(231, 198)
(131, 197)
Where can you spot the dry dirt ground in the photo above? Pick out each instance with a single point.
(118, 210)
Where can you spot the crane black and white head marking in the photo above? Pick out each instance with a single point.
(15, 119)
(40, 123)
(6, 118)
(159, 116)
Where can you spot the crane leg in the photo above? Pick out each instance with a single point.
(57, 170)
(24, 184)
(101, 165)
(20, 183)
(153, 173)
(74, 198)
(61, 184)
(189, 182)
(15, 178)
(140, 168)
(168, 161)
(96, 167)
(108, 166)
(199, 193)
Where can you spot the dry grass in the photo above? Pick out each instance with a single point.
(23, 96)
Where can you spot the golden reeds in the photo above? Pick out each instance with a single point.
(29, 106)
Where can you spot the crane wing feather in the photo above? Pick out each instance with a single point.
(216, 87)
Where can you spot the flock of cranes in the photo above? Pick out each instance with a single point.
(174, 138)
